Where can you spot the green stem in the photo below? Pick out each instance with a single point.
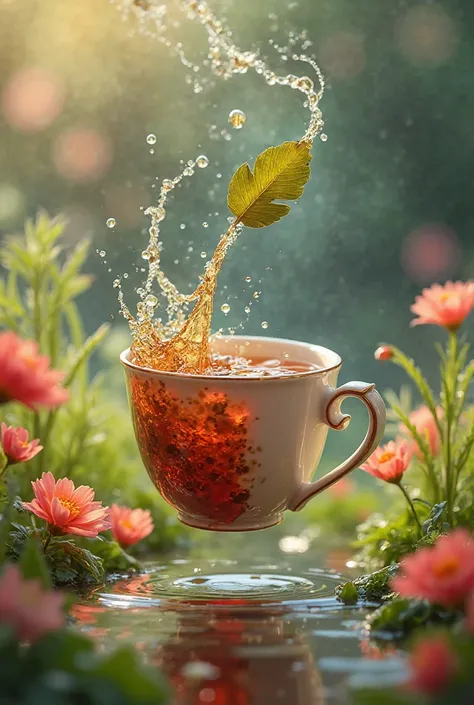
(47, 541)
(451, 383)
(412, 507)
(4, 469)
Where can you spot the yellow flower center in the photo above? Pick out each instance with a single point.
(126, 523)
(70, 504)
(385, 457)
(446, 296)
(447, 567)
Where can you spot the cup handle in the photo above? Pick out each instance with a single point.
(338, 421)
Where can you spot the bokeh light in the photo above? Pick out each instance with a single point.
(81, 154)
(32, 100)
(430, 252)
(123, 201)
(342, 55)
(12, 203)
(427, 36)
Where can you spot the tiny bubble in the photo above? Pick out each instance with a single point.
(264, 324)
(151, 139)
(225, 308)
(111, 223)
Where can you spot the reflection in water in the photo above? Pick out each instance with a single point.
(245, 632)
(240, 658)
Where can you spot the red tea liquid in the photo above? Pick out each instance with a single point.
(228, 365)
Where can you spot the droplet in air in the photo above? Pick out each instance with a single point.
(167, 184)
(247, 309)
(151, 301)
(225, 308)
(323, 137)
(202, 161)
(248, 279)
(204, 255)
(205, 225)
(102, 253)
(151, 139)
(111, 223)
(264, 324)
(237, 119)
(256, 294)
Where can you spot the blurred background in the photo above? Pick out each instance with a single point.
(387, 211)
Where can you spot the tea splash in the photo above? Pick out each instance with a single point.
(181, 342)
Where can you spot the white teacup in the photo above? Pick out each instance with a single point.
(232, 453)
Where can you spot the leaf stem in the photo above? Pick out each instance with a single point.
(4, 469)
(47, 541)
(412, 507)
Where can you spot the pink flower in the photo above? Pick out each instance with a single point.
(25, 376)
(342, 488)
(384, 352)
(422, 419)
(445, 306)
(26, 607)
(443, 573)
(16, 446)
(389, 461)
(66, 509)
(433, 665)
(130, 525)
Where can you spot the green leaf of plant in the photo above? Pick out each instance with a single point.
(280, 173)
(32, 562)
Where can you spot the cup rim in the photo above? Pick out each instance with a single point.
(236, 378)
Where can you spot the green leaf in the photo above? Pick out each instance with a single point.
(280, 173)
(32, 562)
(433, 521)
(398, 618)
(348, 594)
(85, 351)
(374, 587)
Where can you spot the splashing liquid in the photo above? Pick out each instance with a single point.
(181, 343)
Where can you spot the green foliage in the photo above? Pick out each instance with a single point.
(368, 588)
(382, 543)
(90, 439)
(398, 618)
(64, 668)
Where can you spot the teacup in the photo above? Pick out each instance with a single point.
(233, 453)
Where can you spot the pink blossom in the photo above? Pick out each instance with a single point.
(443, 573)
(16, 446)
(25, 376)
(433, 665)
(27, 608)
(445, 306)
(67, 509)
(130, 525)
(389, 461)
(384, 352)
(424, 422)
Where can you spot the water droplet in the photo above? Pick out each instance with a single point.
(167, 184)
(190, 249)
(151, 301)
(237, 119)
(188, 171)
(205, 225)
(304, 84)
(111, 223)
(102, 253)
(151, 139)
(247, 309)
(116, 283)
(202, 161)
(182, 226)
(225, 308)
(204, 255)
(248, 279)
(264, 324)
(145, 254)
(152, 151)
(125, 276)
(323, 137)
(256, 294)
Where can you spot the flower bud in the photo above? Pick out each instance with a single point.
(384, 352)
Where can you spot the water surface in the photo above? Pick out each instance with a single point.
(260, 626)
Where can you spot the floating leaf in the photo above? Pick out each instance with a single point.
(280, 173)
